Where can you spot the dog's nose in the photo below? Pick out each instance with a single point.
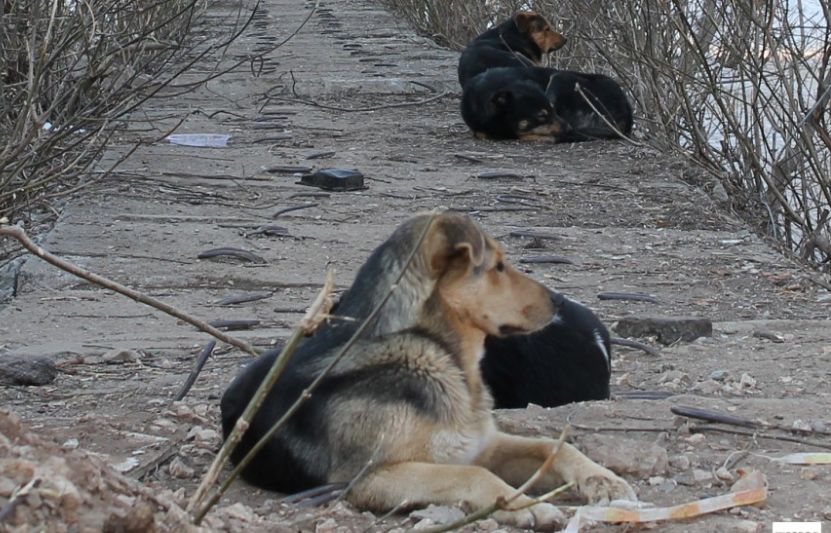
(557, 298)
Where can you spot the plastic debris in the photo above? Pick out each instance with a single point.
(335, 179)
(754, 490)
(202, 140)
(817, 458)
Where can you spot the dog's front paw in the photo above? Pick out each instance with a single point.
(603, 486)
(539, 517)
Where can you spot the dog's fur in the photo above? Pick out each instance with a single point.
(521, 41)
(566, 361)
(494, 108)
(408, 399)
(507, 103)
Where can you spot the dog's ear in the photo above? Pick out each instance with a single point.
(454, 237)
(502, 99)
(528, 21)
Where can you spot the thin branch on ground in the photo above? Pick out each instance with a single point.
(18, 233)
(197, 368)
(321, 306)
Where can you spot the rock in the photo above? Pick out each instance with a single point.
(626, 456)
(424, 524)
(708, 387)
(26, 370)
(723, 474)
(747, 382)
(178, 469)
(438, 514)
(801, 425)
(126, 465)
(666, 330)
(702, 476)
(488, 524)
(330, 525)
(719, 375)
(118, 355)
(139, 519)
(203, 436)
(680, 462)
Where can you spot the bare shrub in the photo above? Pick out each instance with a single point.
(68, 71)
(740, 87)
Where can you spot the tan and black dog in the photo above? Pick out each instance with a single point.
(521, 41)
(405, 413)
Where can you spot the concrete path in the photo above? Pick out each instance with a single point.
(629, 220)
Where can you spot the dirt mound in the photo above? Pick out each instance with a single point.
(43, 485)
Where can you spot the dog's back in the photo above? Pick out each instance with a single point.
(518, 42)
(583, 122)
(567, 361)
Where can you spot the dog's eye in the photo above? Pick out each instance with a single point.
(500, 266)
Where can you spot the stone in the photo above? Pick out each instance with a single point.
(626, 456)
(701, 476)
(488, 524)
(178, 469)
(329, 525)
(139, 519)
(680, 462)
(118, 355)
(666, 330)
(26, 370)
(438, 514)
(719, 375)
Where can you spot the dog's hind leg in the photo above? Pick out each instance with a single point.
(414, 484)
(515, 459)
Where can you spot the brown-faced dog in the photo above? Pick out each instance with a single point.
(405, 412)
(521, 41)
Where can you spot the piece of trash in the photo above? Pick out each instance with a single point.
(502, 174)
(334, 179)
(754, 492)
(235, 325)
(244, 297)
(127, 465)
(816, 458)
(202, 140)
(286, 169)
(227, 251)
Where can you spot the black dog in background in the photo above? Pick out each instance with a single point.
(519, 42)
(567, 361)
(533, 102)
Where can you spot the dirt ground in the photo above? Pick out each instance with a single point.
(627, 218)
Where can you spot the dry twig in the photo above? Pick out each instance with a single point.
(242, 423)
(17, 233)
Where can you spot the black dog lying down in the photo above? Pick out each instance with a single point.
(567, 361)
(537, 102)
(519, 42)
